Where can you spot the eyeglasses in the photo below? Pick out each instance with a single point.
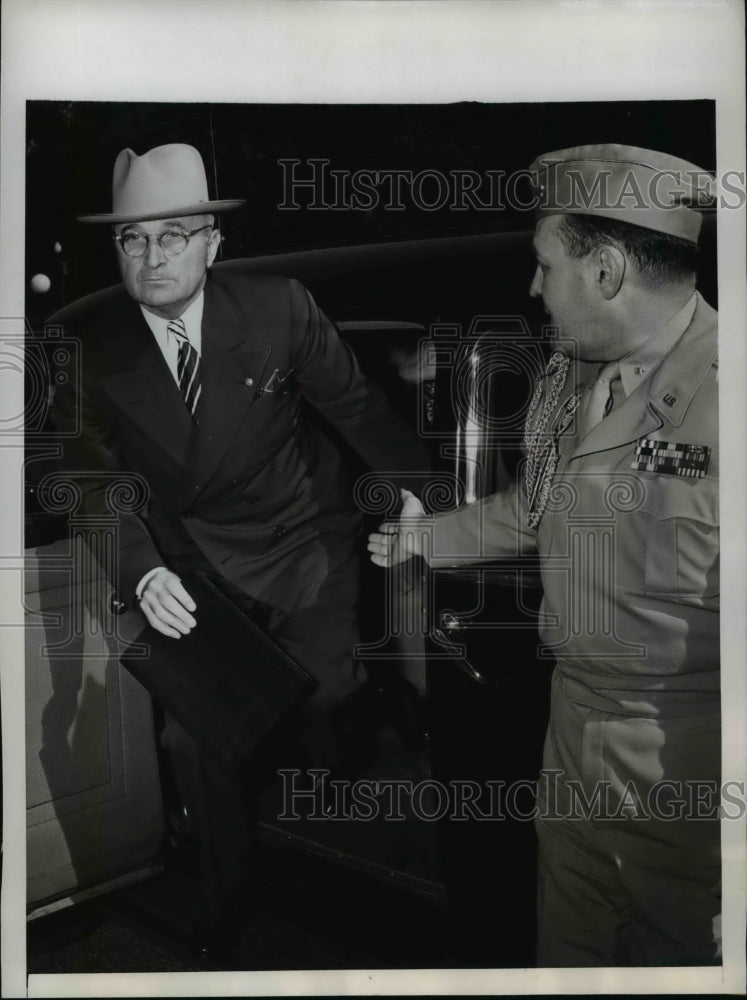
(172, 242)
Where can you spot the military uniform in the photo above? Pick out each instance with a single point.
(629, 549)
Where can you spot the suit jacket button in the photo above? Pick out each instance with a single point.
(280, 530)
(248, 381)
(116, 605)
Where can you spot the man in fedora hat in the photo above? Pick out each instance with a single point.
(199, 382)
(619, 497)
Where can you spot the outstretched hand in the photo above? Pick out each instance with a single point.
(397, 541)
(167, 605)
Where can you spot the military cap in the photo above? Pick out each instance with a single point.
(638, 186)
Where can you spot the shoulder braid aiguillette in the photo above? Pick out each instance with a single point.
(542, 431)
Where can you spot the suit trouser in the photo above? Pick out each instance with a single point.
(220, 804)
(633, 878)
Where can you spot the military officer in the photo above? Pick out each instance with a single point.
(619, 497)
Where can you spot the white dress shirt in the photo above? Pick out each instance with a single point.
(192, 319)
(169, 345)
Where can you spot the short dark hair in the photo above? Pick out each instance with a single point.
(658, 257)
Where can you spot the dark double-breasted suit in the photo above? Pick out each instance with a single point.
(255, 483)
(256, 488)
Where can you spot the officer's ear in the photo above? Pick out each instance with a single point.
(610, 270)
(212, 246)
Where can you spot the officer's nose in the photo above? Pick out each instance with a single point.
(535, 289)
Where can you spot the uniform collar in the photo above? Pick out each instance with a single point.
(680, 375)
(666, 396)
(640, 365)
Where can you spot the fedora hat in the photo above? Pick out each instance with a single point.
(164, 183)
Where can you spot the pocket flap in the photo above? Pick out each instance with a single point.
(674, 496)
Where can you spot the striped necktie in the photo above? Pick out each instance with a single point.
(187, 365)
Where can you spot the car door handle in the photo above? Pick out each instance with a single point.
(440, 638)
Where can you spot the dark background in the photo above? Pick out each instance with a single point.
(71, 148)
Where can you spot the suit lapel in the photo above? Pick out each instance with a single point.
(231, 367)
(138, 379)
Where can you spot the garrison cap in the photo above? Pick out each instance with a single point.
(638, 186)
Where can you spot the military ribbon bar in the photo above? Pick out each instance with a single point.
(673, 459)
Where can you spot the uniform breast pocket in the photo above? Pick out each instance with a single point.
(681, 536)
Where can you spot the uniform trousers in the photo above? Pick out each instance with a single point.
(632, 878)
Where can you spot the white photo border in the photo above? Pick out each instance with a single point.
(391, 51)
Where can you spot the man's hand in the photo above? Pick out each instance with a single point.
(397, 541)
(167, 605)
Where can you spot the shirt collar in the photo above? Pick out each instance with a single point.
(635, 368)
(191, 317)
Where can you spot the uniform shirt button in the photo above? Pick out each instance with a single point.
(280, 530)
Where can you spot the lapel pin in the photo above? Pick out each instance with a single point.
(273, 381)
